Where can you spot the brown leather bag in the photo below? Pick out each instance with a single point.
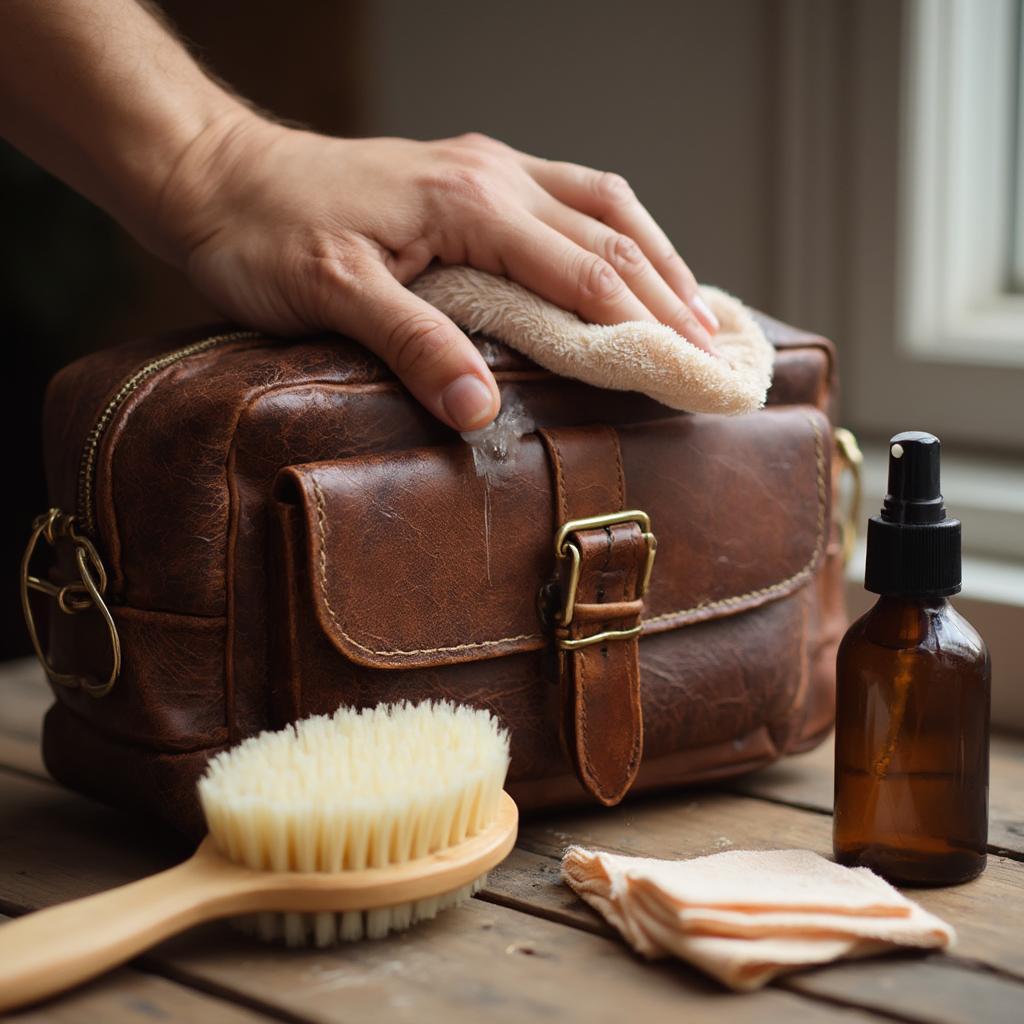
(248, 531)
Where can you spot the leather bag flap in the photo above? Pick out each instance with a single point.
(415, 561)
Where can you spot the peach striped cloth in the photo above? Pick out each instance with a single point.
(745, 916)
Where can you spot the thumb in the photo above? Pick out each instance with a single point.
(426, 351)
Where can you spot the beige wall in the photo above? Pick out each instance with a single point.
(763, 134)
(678, 97)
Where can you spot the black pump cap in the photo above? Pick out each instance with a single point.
(913, 547)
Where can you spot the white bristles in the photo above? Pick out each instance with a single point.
(328, 929)
(355, 790)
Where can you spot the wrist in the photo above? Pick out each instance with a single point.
(196, 193)
(162, 168)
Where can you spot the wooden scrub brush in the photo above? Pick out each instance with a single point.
(336, 828)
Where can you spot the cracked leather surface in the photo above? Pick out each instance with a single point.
(213, 576)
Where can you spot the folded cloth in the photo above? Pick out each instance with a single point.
(633, 356)
(744, 916)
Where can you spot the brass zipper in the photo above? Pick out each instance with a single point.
(86, 512)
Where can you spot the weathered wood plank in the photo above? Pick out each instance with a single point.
(985, 912)
(686, 825)
(24, 697)
(806, 781)
(475, 962)
(531, 882)
(936, 989)
(128, 996)
(55, 845)
(802, 781)
(480, 962)
(78, 854)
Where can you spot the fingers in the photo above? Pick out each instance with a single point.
(426, 351)
(560, 270)
(609, 198)
(635, 269)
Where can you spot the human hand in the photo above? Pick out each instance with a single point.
(290, 231)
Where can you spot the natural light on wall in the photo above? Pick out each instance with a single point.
(962, 183)
(955, 357)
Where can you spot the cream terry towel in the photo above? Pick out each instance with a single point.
(634, 356)
(745, 916)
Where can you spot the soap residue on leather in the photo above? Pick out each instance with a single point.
(494, 450)
(494, 446)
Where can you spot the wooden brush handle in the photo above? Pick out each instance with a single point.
(47, 952)
(51, 950)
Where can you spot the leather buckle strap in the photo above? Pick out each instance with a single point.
(566, 547)
(604, 564)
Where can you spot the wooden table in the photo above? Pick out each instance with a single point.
(525, 948)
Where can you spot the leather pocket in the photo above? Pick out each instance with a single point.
(407, 575)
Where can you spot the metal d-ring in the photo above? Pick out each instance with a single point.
(71, 598)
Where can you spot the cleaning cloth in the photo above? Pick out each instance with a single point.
(744, 916)
(635, 356)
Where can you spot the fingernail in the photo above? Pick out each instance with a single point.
(703, 310)
(468, 402)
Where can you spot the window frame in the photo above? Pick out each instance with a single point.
(960, 155)
(906, 360)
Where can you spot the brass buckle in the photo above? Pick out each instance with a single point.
(564, 548)
(71, 598)
(853, 461)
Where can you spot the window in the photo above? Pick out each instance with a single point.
(898, 179)
(962, 183)
(929, 260)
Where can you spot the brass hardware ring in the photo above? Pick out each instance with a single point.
(71, 598)
(564, 548)
(853, 461)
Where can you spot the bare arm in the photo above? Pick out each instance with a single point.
(292, 231)
(103, 97)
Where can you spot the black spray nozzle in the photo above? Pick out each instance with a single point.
(914, 495)
(913, 546)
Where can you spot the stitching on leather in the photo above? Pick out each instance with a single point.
(580, 665)
(618, 466)
(725, 602)
(633, 682)
(581, 660)
(556, 458)
(631, 653)
(321, 517)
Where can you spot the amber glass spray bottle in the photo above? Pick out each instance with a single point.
(912, 695)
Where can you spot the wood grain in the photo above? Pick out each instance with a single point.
(806, 781)
(129, 996)
(62, 946)
(24, 698)
(477, 961)
(803, 781)
(935, 989)
(708, 821)
(529, 947)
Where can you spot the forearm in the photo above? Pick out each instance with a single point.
(292, 232)
(104, 97)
